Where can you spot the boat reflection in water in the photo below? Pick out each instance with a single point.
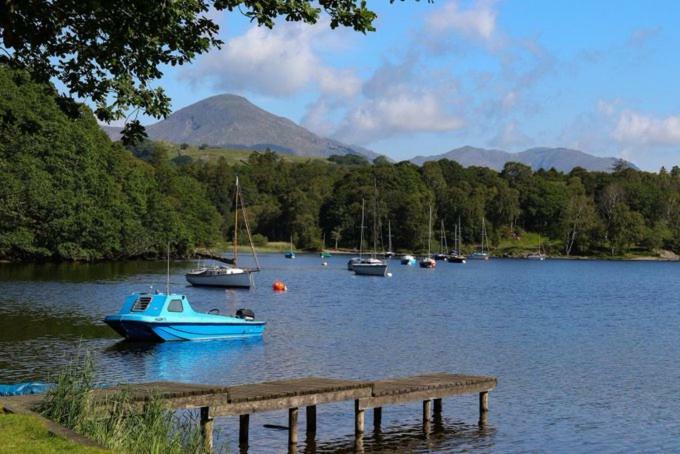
(197, 362)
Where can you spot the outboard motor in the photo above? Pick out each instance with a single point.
(245, 314)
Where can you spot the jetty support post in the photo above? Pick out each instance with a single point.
(207, 428)
(377, 418)
(483, 407)
(358, 420)
(438, 408)
(244, 422)
(427, 415)
(311, 420)
(292, 426)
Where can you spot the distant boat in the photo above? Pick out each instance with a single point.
(442, 255)
(408, 260)
(481, 254)
(290, 254)
(428, 262)
(538, 255)
(230, 275)
(351, 262)
(456, 255)
(324, 254)
(370, 266)
(389, 253)
(170, 317)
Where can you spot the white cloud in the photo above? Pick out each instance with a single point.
(278, 62)
(478, 21)
(400, 99)
(633, 127)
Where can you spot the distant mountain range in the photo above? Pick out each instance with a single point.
(563, 159)
(232, 121)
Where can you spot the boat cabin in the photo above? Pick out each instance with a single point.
(157, 305)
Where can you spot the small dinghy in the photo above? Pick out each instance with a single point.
(408, 260)
(169, 317)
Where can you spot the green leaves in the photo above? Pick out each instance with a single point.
(111, 52)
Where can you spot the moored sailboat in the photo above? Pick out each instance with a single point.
(370, 266)
(456, 255)
(538, 255)
(428, 262)
(481, 254)
(230, 275)
(443, 246)
(291, 253)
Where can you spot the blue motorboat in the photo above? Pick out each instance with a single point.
(169, 317)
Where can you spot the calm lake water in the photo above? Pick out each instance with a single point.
(587, 353)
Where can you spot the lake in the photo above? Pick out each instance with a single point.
(587, 353)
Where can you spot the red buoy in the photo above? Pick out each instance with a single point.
(279, 286)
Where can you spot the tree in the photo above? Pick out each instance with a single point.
(578, 217)
(111, 52)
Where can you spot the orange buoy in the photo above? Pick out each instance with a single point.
(279, 286)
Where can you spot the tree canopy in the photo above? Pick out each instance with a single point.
(69, 193)
(112, 52)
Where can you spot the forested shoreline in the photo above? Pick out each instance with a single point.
(69, 193)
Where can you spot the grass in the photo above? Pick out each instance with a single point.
(525, 244)
(117, 423)
(25, 434)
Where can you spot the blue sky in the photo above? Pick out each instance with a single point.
(599, 76)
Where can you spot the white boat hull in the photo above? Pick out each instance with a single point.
(478, 256)
(370, 269)
(236, 279)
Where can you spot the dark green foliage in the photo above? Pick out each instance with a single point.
(112, 52)
(68, 193)
(349, 159)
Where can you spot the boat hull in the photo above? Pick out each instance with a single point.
(428, 263)
(478, 256)
(363, 269)
(454, 259)
(242, 280)
(135, 330)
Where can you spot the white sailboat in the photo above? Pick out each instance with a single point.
(481, 254)
(389, 253)
(443, 246)
(428, 262)
(456, 255)
(370, 266)
(539, 255)
(228, 275)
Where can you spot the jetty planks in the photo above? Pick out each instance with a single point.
(293, 394)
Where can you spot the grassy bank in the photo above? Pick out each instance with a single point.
(116, 421)
(24, 434)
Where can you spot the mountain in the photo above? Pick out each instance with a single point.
(563, 159)
(231, 121)
(112, 131)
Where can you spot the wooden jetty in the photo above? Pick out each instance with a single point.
(293, 394)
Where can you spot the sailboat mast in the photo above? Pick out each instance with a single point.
(375, 223)
(389, 235)
(460, 237)
(250, 237)
(429, 234)
(483, 233)
(361, 237)
(236, 197)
